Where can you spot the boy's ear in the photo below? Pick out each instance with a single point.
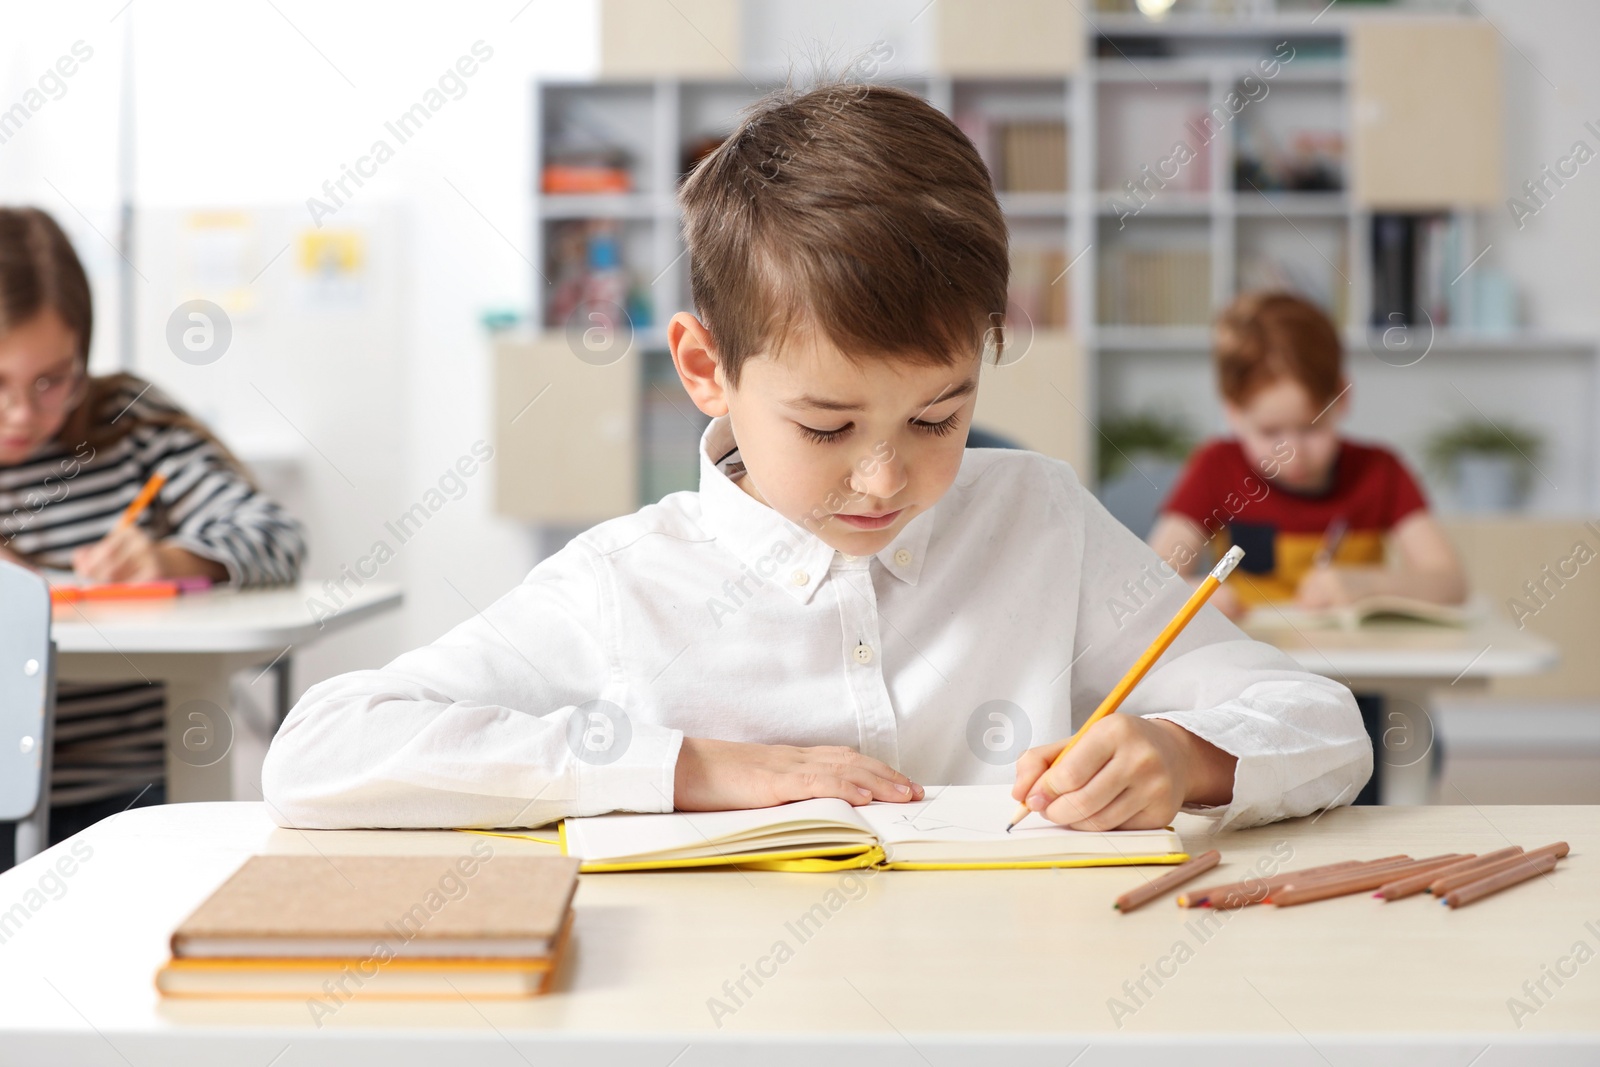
(695, 358)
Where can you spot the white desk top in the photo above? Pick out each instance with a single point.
(221, 620)
(1487, 648)
(909, 967)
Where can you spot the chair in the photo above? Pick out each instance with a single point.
(27, 706)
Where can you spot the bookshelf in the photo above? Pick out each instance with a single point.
(1121, 253)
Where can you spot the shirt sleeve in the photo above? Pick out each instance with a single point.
(213, 511)
(1298, 737)
(1405, 495)
(516, 717)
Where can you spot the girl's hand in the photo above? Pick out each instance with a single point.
(127, 554)
(1127, 773)
(723, 775)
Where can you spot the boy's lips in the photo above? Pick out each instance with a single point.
(870, 522)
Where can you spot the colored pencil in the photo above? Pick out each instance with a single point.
(1252, 890)
(1332, 537)
(136, 506)
(1405, 887)
(1371, 878)
(1440, 886)
(1525, 869)
(1171, 880)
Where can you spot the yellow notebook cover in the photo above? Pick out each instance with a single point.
(952, 828)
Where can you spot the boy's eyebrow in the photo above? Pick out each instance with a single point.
(808, 401)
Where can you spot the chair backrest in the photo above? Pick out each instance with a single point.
(27, 690)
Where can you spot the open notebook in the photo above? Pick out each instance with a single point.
(1372, 609)
(953, 827)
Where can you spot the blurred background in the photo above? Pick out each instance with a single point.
(408, 213)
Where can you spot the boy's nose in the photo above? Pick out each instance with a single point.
(878, 478)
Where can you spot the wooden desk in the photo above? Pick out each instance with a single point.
(905, 967)
(1407, 663)
(195, 643)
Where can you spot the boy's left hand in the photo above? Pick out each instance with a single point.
(1127, 773)
(127, 554)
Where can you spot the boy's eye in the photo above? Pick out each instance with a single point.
(940, 428)
(822, 437)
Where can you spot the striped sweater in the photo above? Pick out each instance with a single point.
(109, 737)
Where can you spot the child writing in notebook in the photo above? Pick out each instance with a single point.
(75, 450)
(852, 604)
(1287, 483)
(1312, 509)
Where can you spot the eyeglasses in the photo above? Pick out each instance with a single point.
(49, 395)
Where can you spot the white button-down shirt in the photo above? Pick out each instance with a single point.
(996, 620)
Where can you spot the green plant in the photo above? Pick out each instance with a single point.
(1150, 432)
(1480, 437)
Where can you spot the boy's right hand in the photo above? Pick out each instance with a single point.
(724, 775)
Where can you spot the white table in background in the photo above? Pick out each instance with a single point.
(1407, 662)
(194, 643)
(903, 969)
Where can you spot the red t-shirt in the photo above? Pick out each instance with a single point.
(1281, 529)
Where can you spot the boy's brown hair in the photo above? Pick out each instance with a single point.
(1262, 338)
(857, 211)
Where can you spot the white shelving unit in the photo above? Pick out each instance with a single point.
(1123, 108)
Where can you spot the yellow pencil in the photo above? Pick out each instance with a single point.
(1114, 699)
(136, 507)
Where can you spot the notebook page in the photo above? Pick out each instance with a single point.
(967, 823)
(622, 837)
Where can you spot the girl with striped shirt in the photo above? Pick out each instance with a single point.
(74, 451)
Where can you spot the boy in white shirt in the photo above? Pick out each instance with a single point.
(853, 603)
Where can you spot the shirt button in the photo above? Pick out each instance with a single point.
(902, 557)
(848, 558)
(863, 653)
(800, 578)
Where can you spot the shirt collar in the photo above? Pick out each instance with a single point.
(773, 547)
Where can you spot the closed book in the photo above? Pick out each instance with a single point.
(402, 907)
(368, 977)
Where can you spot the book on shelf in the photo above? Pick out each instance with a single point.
(1033, 156)
(1023, 155)
(397, 926)
(587, 171)
(1416, 259)
(1155, 286)
(1037, 286)
(954, 827)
